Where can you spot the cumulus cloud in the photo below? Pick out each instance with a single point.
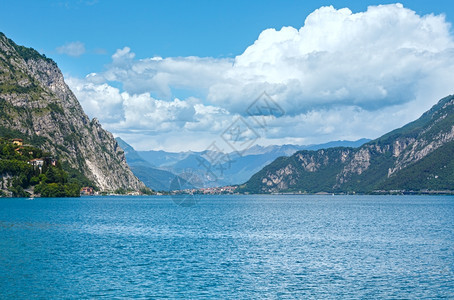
(159, 75)
(75, 49)
(342, 75)
(98, 100)
(141, 113)
(373, 59)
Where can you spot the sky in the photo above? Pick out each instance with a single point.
(194, 75)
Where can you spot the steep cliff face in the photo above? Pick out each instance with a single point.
(36, 102)
(417, 156)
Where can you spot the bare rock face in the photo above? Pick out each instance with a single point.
(35, 101)
(415, 157)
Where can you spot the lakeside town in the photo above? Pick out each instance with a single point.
(90, 191)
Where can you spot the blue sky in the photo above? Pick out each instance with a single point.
(164, 28)
(169, 56)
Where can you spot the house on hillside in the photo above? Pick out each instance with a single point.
(87, 191)
(21, 149)
(37, 162)
(18, 142)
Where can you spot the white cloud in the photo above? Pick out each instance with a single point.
(123, 112)
(148, 114)
(373, 59)
(159, 76)
(342, 75)
(98, 100)
(72, 49)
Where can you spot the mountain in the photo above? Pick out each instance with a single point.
(156, 179)
(417, 157)
(288, 149)
(235, 168)
(37, 106)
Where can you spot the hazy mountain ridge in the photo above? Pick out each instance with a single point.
(156, 179)
(235, 171)
(36, 104)
(417, 156)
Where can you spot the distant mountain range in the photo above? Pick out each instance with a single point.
(154, 178)
(416, 157)
(157, 169)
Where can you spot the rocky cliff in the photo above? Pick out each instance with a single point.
(36, 103)
(418, 156)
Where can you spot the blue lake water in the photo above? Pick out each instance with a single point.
(237, 247)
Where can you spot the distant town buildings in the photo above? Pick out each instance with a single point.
(209, 191)
(218, 190)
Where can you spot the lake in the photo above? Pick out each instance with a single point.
(231, 247)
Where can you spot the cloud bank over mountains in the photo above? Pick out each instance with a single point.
(342, 75)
